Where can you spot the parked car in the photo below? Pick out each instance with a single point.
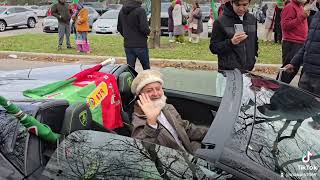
(114, 6)
(14, 16)
(50, 23)
(99, 7)
(165, 16)
(259, 129)
(39, 10)
(107, 22)
(205, 9)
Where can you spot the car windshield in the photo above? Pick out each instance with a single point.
(97, 155)
(110, 15)
(209, 83)
(278, 127)
(2, 10)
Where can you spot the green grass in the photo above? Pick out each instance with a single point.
(269, 53)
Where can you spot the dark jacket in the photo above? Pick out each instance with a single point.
(62, 10)
(241, 56)
(170, 19)
(133, 25)
(309, 54)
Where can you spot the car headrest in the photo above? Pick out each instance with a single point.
(124, 84)
(77, 117)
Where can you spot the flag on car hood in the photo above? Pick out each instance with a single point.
(98, 90)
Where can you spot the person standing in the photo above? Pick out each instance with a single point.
(269, 22)
(195, 23)
(277, 25)
(82, 27)
(294, 29)
(309, 56)
(133, 26)
(178, 14)
(170, 21)
(63, 13)
(235, 49)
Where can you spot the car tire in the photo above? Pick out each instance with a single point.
(3, 26)
(31, 23)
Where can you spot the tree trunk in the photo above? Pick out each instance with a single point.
(154, 40)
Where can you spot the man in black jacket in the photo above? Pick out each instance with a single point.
(62, 12)
(133, 26)
(235, 49)
(309, 56)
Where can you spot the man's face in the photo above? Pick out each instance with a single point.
(241, 8)
(153, 90)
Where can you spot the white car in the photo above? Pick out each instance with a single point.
(14, 16)
(39, 10)
(107, 22)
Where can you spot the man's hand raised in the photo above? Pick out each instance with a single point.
(238, 37)
(149, 109)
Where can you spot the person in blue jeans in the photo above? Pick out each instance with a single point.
(133, 26)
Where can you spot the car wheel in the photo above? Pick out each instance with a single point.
(2, 26)
(31, 23)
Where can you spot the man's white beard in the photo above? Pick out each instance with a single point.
(161, 102)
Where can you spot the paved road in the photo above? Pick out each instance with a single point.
(23, 30)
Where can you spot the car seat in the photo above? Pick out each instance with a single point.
(62, 118)
(124, 84)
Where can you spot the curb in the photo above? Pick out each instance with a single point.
(183, 63)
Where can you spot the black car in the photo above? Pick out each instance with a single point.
(259, 129)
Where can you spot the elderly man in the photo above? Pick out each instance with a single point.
(158, 122)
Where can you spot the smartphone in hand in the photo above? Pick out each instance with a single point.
(238, 28)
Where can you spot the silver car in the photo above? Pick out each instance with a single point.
(14, 16)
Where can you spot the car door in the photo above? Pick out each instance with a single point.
(10, 17)
(22, 15)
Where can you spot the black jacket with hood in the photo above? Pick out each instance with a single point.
(133, 25)
(309, 54)
(240, 56)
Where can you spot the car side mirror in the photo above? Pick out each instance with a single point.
(7, 13)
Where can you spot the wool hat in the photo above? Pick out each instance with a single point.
(143, 78)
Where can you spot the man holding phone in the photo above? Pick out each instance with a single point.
(234, 37)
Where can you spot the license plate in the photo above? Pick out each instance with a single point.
(103, 29)
(52, 28)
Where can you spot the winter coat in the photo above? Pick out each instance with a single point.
(195, 17)
(133, 25)
(170, 19)
(82, 22)
(309, 54)
(177, 13)
(240, 56)
(293, 23)
(189, 134)
(270, 16)
(61, 12)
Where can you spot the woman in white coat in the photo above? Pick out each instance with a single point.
(269, 22)
(178, 14)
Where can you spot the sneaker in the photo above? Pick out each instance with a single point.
(172, 40)
(69, 47)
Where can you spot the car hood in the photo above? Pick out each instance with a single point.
(106, 22)
(98, 155)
